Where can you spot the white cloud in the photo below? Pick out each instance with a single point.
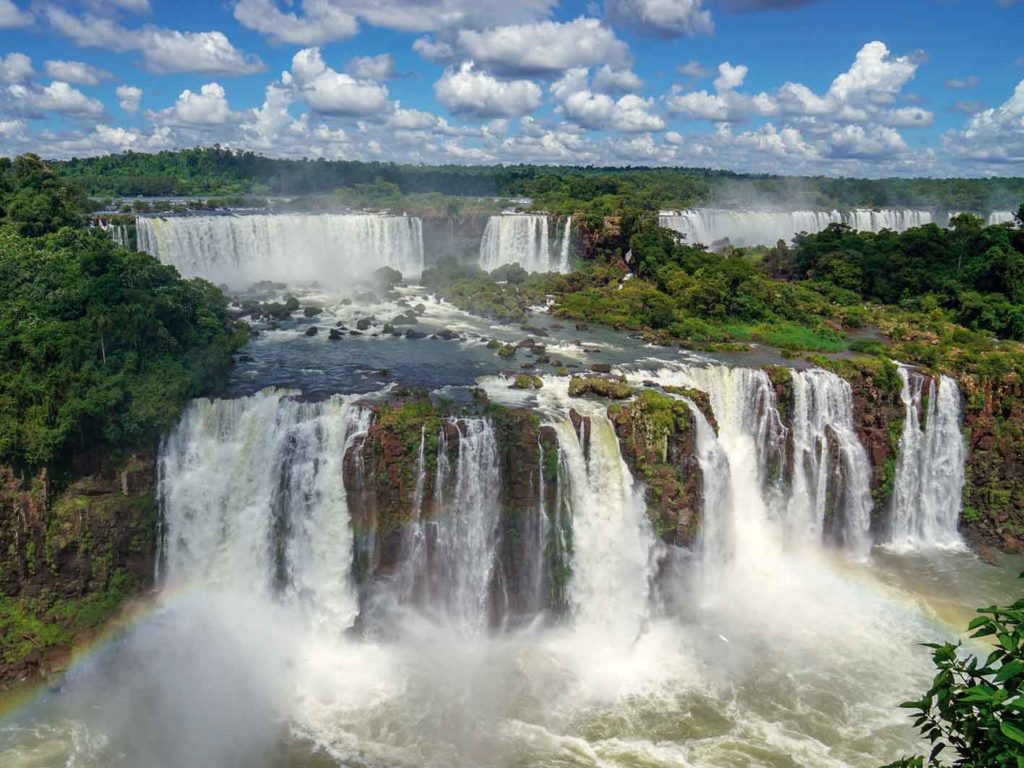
(329, 92)
(129, 97)
(321, 21)
(726, 104)
(875, 75)
(16, 68)
(995, 135)
(962, 83)
(908, 117)
(729, 77)
(59, 97)
(855, 141)
(545, 47)
(471, 92)
(163, 50)
(380, 67)
(608, 80)
(661, 18)
(208, 107)
(693, 69)
(598, 111)
(13, 17)
(76, 72)
(411, 120)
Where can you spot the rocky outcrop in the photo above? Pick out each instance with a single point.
(658, 440)
(993, 512)
(453, 235)
(601, 239)
(69, 558)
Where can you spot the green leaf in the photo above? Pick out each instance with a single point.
(1011, 731)
(1007, 671)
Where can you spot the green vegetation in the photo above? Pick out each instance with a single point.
(973, 713)
(99, 345)
(590, 191)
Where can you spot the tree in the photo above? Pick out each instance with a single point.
(975, 709)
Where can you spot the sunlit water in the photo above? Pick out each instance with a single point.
(771, 654)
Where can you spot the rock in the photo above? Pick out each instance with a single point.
(388, 328)
(363, 323)
(528, 366)
(525, 343)
(601, 368)
(335, 335)
(582, 327)
(493, 344)
(355, 333)
(448, 335)
(526, 381)
(312, 311)
(411, 334)
(533, 329)
(602, 387)
(420, 309)
(507, 351)
(312, 331)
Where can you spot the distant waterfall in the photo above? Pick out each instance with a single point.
(929, 479)
(563, 257)
(524, 239)
(331, 249)
(751, 227)
(1001, 217)
(117, 232)
(252, 498)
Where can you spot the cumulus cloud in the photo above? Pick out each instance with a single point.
(58, 97)
(380, 67)
(545, 47)
(163, 50)
(129, 98)
(320, 21)
(329, 92)
(858, 142)
(207, 107)
(433, 50)
(608, 80)
(661, 18)
(16, 68)
(13, 17)
(729, 77)
(599, 111)
(76, 72)
(472, 92)
(726, 103)
(994, 135)
(875, 76)
(693, 69)
(962, 83)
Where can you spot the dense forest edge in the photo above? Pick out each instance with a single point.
(100, 346)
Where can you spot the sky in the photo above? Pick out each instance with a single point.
(833, 87)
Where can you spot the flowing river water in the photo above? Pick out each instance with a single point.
(760, 646)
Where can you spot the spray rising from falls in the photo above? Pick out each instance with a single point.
(751, 227)
(929, 476)
(330, 249)
(524, 239)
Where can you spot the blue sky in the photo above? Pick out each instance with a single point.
(918, 87)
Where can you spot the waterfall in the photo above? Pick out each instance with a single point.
(716, 481)
(465, 527)
(831, 486)
(751, 227)
(330, 249)
(612, 540)
(523, 239)
(929, 477)
(117, 232)
(1001, 217)
(252, 498)
(563, 257)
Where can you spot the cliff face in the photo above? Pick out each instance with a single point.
(69, 559)
(659, 444)
(457, 235)
(994, 490)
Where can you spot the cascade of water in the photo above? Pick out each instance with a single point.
(563, 256)
(754, 227)
(831, 486)
(612, 540)
(929, 477)
(252, 497)
(716, 490)
(1001, 217)
(523, 239)
(465, 525)
(291, 248)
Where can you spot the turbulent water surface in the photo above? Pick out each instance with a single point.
(782, 638)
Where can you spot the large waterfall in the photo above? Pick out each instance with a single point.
(1001, 217)
(252, 498)
(330, 249)
(755, 227)
(524, 239)
(929, 479)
